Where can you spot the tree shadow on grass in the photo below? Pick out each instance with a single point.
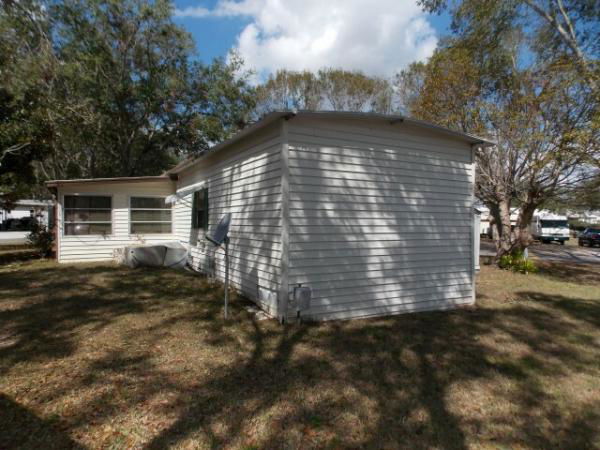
(574, 273)
(44, 312)
(161, 349)
(579, 309)
(21, 428)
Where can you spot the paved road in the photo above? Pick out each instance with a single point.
(555, 252)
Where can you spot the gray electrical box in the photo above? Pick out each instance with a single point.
(302, 297)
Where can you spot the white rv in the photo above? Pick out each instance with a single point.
(547, 227)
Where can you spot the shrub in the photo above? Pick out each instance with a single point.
(41, 238)
(517, 262)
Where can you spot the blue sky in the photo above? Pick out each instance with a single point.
(376, 36)
(214, 36)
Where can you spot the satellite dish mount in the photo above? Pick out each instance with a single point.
(220, 237)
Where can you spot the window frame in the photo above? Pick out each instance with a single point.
(205, 208)
(64, 222)
(131, 222)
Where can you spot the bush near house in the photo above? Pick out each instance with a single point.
(41, 238)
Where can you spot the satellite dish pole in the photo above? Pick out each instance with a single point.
(226, 299)
(219, 237)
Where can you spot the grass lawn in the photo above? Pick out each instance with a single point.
(98, 356)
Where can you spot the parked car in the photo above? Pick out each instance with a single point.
(590, 236)
(19, 224)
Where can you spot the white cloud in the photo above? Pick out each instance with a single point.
(192, 11)
(376, 36)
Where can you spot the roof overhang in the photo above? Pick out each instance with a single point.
(268, 119)
(272, 117)
(57, 183)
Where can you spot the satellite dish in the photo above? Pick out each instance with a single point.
(219, 237)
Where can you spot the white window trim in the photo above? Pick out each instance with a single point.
(130, 222)
(63, 222)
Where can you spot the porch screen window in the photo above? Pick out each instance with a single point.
(87, 214)
(200, 210)
(150, 215)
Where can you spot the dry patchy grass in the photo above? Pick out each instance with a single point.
(98, 356)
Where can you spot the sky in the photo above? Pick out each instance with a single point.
(379, 37)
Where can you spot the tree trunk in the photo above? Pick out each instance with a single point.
(501, 228)
(523, 233)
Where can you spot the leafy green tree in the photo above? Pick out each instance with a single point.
(564, 30)
(491, 78)
(25, 134)
(328, 89)
(110, 88)
(355, 91)
(287, 90)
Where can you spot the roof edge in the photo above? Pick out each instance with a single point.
(56, 183)
(276, 115)
(263, 122)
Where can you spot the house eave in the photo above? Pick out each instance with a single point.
(58, 183)
(268, 119)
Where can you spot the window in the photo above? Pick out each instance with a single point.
(554, 224)
(149, 215)
(200, 209)
(87, 214)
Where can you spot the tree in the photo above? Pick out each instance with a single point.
(328, 89)
(24, 131)
(113, 88)
(540, 112)
(560, 29)
(287, 90)
(582, 198)
(355, 91)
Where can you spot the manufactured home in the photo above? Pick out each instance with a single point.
(373, 213)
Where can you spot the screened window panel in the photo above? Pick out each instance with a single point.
(88, 202)
(149, 202)
(145, 215)
(79, 229)
(87, 214)
(150, 228)
(150, 215)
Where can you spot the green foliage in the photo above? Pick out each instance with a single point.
(41, 238)
(517, 262)
(328, 89)
(107, 88)
(584, 197)
(580, 225)
(494, 77)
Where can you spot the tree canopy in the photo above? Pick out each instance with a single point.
(327, 89)
(496, 76)
(107, 88)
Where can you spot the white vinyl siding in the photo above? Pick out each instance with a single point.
(245, 180)
(380, 218)
(75, 248)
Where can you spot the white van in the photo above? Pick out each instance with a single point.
(550, 227)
